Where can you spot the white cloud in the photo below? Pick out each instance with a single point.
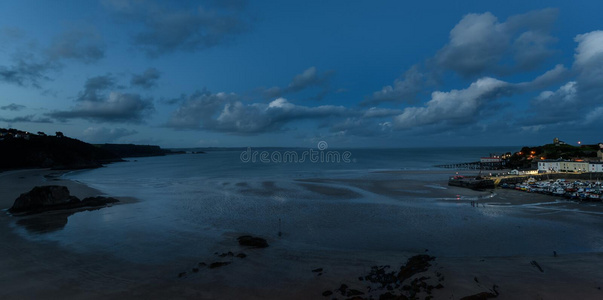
(453, 107)
(226, 113)
(565, 95)
(479, 43)
(573, 103)
(590, 46)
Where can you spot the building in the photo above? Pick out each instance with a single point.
(549, 165)
(573, 166)
(595, 167)
(490, 159)
(557, 142)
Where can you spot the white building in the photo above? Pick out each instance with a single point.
(549, 165)
(573, 166)
(594, 166)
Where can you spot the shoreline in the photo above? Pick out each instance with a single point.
(42, 269)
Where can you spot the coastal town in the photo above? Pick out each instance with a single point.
(577, 177)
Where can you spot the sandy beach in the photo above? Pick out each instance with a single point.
(39, 269)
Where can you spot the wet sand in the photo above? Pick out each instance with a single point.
(38, 269)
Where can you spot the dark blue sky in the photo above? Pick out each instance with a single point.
(283, 73)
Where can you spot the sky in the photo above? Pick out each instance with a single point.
(238, 73)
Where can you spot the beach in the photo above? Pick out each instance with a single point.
(36, 268)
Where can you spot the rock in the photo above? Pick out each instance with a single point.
(353, 292)
(480, 296)
(380, 275)
(54, 197)
(195, 270)
(414, 265)
(327, 293)
(241, 255)
(41, 198)
(390, 296)
(226, 254)
(536, 265)
(317, 270)
(218, 264)
(98, 201)
(181, 274)
(250, 241)
(342, 289)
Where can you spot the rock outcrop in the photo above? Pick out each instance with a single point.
(54, 197)
(250, 241)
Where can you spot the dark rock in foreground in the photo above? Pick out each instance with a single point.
(480, 296)
(250, 241)
(54, 197)
(218, 264)
(415, 265)
(390, 296)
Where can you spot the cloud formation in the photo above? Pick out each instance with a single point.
(226, 113)
(116, 108)
(554, 106)
(480, 44)
(26, 119)
(577, 101)
(31, 67)
(25, 71)
(309, 78)
(404, 89)
(12, 107)
(166, 29)
(86, 46)
(147, 79)
(455, 107)
(589, 63)
(95, 87)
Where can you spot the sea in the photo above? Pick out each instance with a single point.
(188, 205)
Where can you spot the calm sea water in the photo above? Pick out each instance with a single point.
(190, 203)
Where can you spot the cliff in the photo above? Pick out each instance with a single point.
(21, 149)
(58, 152)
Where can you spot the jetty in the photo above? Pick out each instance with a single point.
(472, 182)
(476, 165)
